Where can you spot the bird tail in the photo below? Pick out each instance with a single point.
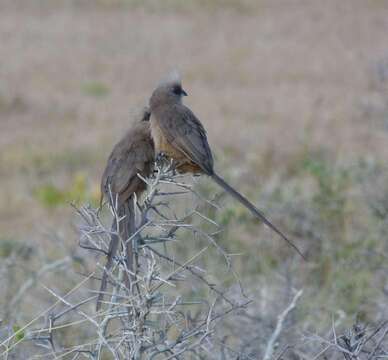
(113, 245)
(253, 209)
(127, 227)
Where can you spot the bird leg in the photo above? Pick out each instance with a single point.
(161, 158)
(164, 161)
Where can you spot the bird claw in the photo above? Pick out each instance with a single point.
(166, 163)
(161, 159)
(161, 156)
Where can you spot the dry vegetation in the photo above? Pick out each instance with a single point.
(294, 95)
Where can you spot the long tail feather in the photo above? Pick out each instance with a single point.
(126, 228)
(114, 243)
(253, 209)
(129, 228)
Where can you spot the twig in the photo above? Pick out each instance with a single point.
(279, 326)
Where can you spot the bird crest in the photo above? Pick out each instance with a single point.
(173, 77)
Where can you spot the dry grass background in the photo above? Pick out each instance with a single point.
(294, 95)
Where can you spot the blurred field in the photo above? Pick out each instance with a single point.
(294, 95)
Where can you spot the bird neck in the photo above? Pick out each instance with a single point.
(157, 102)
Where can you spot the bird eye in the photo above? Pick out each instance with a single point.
(177, 90)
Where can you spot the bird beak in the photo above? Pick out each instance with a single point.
(183, 93)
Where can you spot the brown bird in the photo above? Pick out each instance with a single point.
(179, 135)
(134, 154)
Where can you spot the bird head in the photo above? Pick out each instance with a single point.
(169, 91)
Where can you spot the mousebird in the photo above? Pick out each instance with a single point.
(178, 134)
(132, 155)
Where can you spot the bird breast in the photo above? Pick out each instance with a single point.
(161, 143)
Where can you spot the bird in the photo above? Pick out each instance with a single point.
(179, 135)
(133, 155)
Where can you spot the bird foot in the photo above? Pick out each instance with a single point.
(161, 159)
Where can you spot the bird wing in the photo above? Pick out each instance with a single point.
(185, 132)
(119, 171)
(132, 155)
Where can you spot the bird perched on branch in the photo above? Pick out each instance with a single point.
(179, 135)
(134, 154)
